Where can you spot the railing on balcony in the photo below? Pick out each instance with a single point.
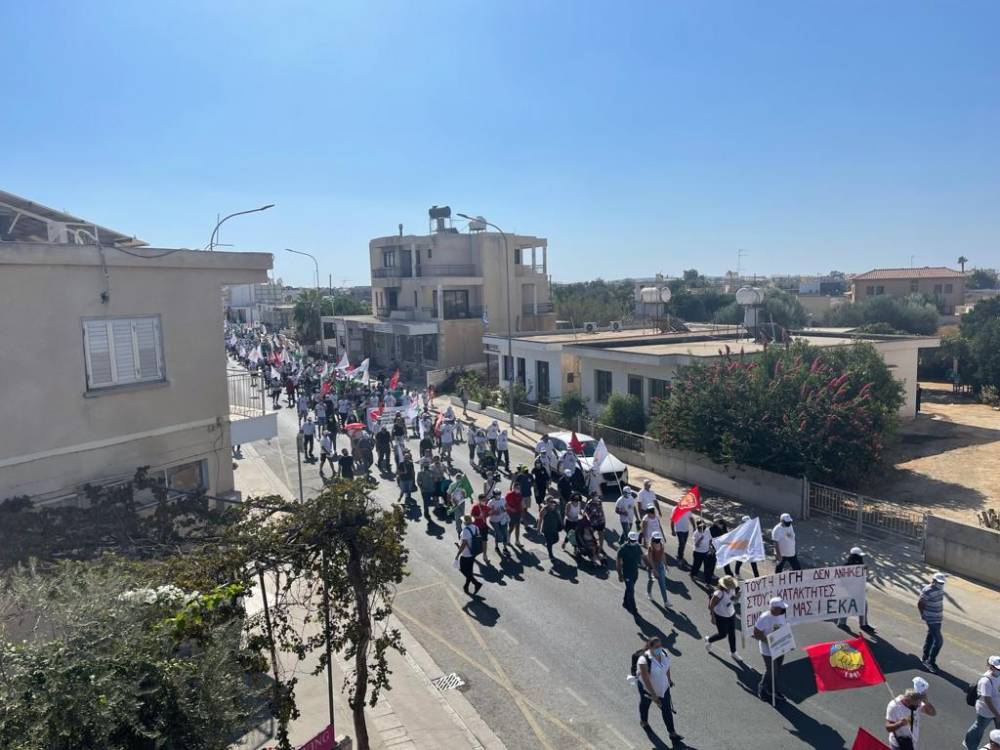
(444, 269)
(246, 395)
(392, 273)
(541, 307)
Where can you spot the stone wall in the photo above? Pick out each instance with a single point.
(969, 551)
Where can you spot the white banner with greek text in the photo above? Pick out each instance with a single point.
(812, 594)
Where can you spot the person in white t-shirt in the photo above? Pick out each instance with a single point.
(465, 555)
(783, 536)
(902, 719)
(625, 510)
(654, 683)
(767, 623)
(987, 703)
(994, 741)
(647, 499)
(680, 529)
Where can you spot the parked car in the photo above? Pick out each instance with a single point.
(613, 471)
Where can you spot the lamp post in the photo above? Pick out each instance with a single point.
(319, 301)
(224, 219)
(510, 341)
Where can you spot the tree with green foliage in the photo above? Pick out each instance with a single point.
(624, 412)
(912, 314)
(797, 410)
(309, 306)
(95, 655)
(598, 301)
(779, 306)
(571, 406)
(962, 260)
(980, 328)
(982, 278)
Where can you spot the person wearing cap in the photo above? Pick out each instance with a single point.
(647, 499)
(931, 607)
(857, 557)
(902, 717)
(994, 740)
(627, 565)
(540, 482)
(783, 536)
(466, 555)
(987, 704)
(739, 563)
(653, 669)
(549, 523)
(722, 611)
(702, 544)
(680, 529)
(625, 510)
(655, 558)
(767, 623)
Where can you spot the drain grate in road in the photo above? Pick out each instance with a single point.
(449, 682)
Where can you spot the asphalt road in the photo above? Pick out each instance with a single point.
(545, 653)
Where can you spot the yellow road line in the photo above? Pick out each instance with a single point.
(419, 588)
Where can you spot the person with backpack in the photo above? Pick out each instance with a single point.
(468, 542)
(654, 683)
(983, 695)
(902, 719)
(627, 564)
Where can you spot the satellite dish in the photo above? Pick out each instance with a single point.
(749, 296)
(665, 294)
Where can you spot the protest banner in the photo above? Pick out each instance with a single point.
(813, 594)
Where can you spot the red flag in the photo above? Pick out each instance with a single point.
(325, 387)
(865, 741)
(840, 665)
(437, 424)
(394, 380)
(691, 501)
(576, 445)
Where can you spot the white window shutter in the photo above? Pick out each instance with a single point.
(124, 352)
(98, 350)
(147, 337)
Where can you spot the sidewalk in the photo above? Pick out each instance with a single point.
(414, 715)
(897, 564)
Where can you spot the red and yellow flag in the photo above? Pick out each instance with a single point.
(841, 665)
(691, 501)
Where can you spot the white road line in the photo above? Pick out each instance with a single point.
(620, 736)
(508, 636)
(539, 664)
(579, 700)
(965, 667)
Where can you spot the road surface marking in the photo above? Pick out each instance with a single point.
(579, 700)
(420, 588)
(539, 664)
(966, 667)
(620, 736)
(508, 636)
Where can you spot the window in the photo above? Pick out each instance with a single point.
(657, 389)
(118, 351)
(602, 386)
(870, 291)
(948, 288)
(508, 368)
(187, 477)
(389, 258)
(517, 256)
(914, 285)
(430, 347)
(879, 290)
(635, 386)
(521, 370)
(456, 303)
(542, 380)
(937, 289)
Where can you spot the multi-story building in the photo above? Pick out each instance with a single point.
(114, 359)
(252, 303)
(434, 295)
(944, 285)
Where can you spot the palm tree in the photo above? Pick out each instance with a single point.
(962, 260)
(308, 307)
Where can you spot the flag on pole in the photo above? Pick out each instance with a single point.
(394, 380)
(865, 741)
(462, 483)
(576, 445)
(414, 408)
(343, 365)
(600, 453)
(691, 501)
(744, 543)
(360, 372)
(840, 665)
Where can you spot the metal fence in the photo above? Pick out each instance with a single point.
(866, 513)
(246, 394)
(585, 425)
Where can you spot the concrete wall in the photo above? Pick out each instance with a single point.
(969, 551)
(60, 435)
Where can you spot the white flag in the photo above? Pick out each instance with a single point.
(413, 409)
(744, 543)
(360, 372)
(343, 365)
(600, 453)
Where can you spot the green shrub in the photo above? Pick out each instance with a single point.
(571, 406)
(624, 413)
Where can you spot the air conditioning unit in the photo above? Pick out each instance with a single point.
(616, 325)
(590, 327)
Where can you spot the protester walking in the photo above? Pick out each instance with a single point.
(655, 558)
(406, 479)
(783, 536)
(856, 557)
(722, 612)
(480, 512)
(514, 504)
(466, 555)
(627, 565)
(625, 510)
(987, 706)
(499, 522)
(346, 464)
(902, 719)
(647, 499)
(702, 544)
(308, 431)
(540, 479)
(767, 623)
(326, 454)
(931, 607)
(549, 523)
(680, 529)
(428, 489)
(654, 686)
(739, 563)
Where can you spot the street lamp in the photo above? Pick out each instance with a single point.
(510, 344)
(215, 232)
(319, 302)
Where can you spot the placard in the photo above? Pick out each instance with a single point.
(813, 594)
(781, 641)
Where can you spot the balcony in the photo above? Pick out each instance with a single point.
(461, 313)
(248, 417)
(391, 273)
(541, 307)
(443, 269)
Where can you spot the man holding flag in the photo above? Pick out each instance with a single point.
(680, 520)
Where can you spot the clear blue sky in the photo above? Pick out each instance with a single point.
(638, 137)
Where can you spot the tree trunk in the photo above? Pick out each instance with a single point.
(358, 699)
